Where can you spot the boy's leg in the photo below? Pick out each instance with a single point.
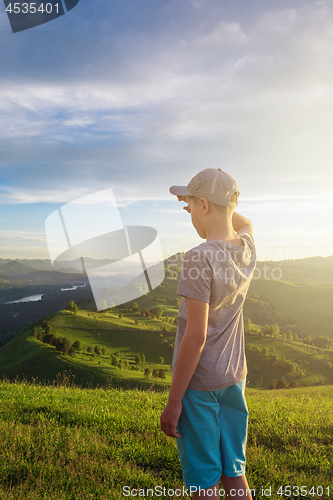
(203, 494)
(236, 488)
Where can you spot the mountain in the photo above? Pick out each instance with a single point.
(14, 268)
(311, 261)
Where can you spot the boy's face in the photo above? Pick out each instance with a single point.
(194, 207)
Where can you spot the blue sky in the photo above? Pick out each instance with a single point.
(140, 95)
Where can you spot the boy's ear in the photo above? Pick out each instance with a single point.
(204, 205)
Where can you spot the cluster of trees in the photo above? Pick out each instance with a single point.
(62, 344)
(277, 361)
(155, 373)
(318, 341)
(154, 312)
(72, 307)
(140, 358)
(289, 332)
(283, 384)
(97, 350)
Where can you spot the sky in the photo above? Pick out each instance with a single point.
(139, 95)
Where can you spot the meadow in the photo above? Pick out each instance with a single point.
(82, 428)
(128, 336)
(133, 335)
(62, 442)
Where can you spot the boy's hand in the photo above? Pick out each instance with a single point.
(169, 419)
(182, 198)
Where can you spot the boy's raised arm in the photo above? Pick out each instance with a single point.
(239, 222)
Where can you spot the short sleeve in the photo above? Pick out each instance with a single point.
(247, 236)
(196, 277)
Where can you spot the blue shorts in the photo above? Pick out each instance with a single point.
(213, 428)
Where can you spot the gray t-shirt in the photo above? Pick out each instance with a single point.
(219, 274)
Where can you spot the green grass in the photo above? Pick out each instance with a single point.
(62, 443)
(30, 359)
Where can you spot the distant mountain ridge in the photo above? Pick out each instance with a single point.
(45, 264)
(19, 267)
(313, 261)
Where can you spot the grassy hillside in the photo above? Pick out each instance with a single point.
(309, 305)
(30, 358)
(62, 443)
(309, 366)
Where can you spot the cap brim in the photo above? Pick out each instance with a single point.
(180, 191)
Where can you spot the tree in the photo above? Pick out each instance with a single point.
(77, 345)
(70, 305)
(147, 372)
(48, 329)
(34, 333)
(71, 352)
(137, 359)
(97, 350)
(50, 339)
(161, 360)
(143, 358)
(89, 349)
(157, 311)
(63, 345)
(134, 307)
(114, 361)
(161, 374)
(282, 384)
(289, 335)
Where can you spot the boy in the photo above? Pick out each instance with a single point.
(206, 409)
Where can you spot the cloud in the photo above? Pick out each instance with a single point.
(224, 33)
(13, 196)
(157, 104)
(22, 236)
(277, 21)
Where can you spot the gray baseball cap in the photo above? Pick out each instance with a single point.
(213, 184)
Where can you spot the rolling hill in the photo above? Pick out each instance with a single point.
(29, 358)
